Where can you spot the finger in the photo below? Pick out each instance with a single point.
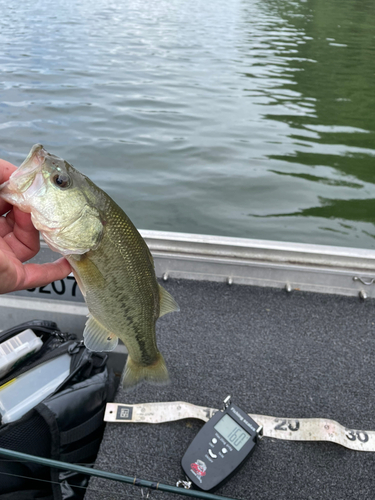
(7, 223)
(36, 275)
(23, 239)
(6, 170)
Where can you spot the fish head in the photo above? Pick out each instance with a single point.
(60, 199)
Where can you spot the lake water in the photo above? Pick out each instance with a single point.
(240, 118)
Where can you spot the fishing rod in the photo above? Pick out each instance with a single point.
(112, 476)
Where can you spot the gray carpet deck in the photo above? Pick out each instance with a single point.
(288, 355)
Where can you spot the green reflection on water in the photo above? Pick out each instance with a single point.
(331, 95)
(335, 66)
(351, 210)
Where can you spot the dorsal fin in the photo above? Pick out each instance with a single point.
(167, 302)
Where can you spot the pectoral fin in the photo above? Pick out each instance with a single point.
(80, 284)
(98, 338)
(86, 273)
(167, 302)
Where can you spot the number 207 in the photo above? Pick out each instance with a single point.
(58, 287)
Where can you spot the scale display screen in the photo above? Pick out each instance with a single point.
(232, 432)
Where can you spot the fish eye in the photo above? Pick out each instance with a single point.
(61, 180)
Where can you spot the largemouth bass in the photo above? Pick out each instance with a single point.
(110, 260)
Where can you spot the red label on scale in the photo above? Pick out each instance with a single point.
(199, 467)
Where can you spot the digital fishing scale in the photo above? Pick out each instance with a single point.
(221, 447)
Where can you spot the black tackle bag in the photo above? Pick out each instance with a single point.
(67, 425)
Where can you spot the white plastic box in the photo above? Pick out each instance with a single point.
(15, 349)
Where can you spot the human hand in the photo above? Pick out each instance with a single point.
(19, 242)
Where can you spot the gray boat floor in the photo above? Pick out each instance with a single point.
(286, 355)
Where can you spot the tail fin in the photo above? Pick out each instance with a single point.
(134, 373)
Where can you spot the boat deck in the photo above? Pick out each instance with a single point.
(294, 355)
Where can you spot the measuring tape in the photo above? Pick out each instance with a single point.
(290, 429)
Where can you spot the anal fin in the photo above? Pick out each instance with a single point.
(97, 337)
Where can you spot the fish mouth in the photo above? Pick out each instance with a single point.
(26, 180)
(35, 158)
(33, 162)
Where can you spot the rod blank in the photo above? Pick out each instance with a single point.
(112, 476)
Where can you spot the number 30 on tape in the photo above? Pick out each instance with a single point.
(316, 429)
